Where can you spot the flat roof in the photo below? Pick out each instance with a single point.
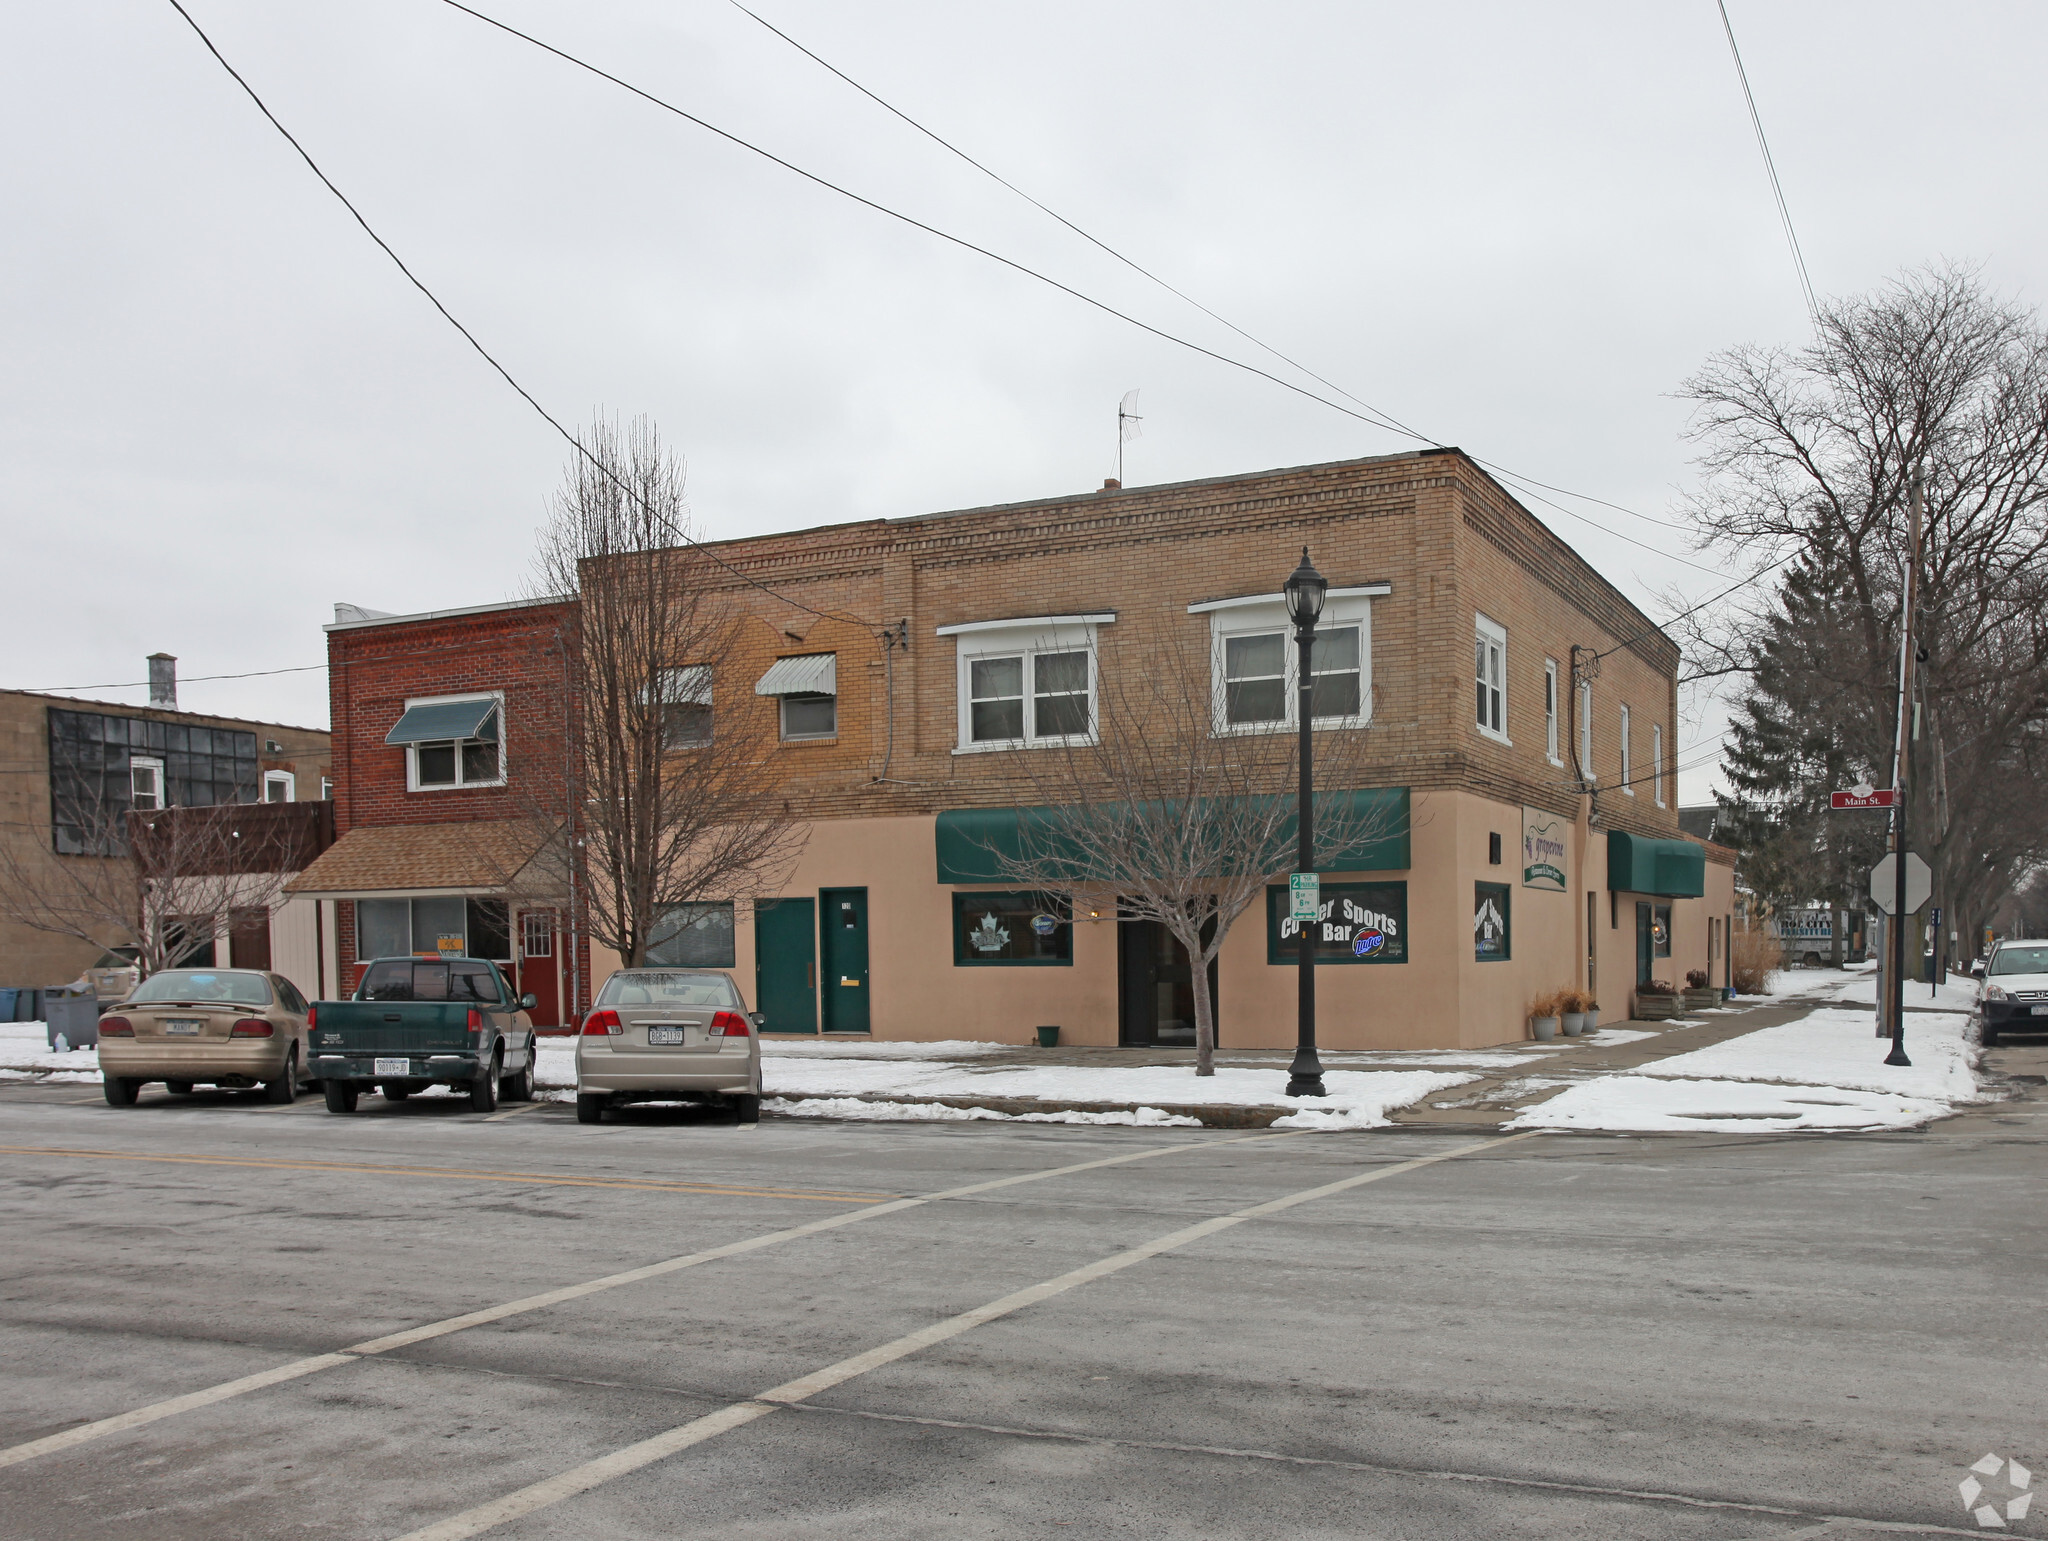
(162, 711)
(437, 615)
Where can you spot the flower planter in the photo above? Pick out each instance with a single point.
(1574, 1023)
(1543, 1028)
(1657, 1008)
(1700, 1000)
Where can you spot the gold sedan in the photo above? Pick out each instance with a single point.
(186, 1027)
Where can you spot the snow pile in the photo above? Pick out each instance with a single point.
(860, 1048)
(25, 1055)
(1841, 1048)
(938, 1112)
(1652, 1105)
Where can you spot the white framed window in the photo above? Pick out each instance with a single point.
(145, 784)
(1586, 731)
(326, 789)
(536, 935)
(452, 741)
(1657, 762)
(1255, 663)
(1026, 684)
(1627, 778)
(1489, 672)
(280, 787)
(1550, 711)
(807, 691)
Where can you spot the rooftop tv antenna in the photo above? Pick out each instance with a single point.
(1127, 421)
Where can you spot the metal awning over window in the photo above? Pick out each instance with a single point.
(814, 674)
(440, 720)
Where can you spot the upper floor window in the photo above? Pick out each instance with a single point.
(1586, 731)
(145, 784)
(279, 787)
(1657, 762)
(1550, 711)
(452, 741)
(1026, 683)
(1256, 663)
(686, 707)
(806, 689)
(1489, 668)
(1627, 780)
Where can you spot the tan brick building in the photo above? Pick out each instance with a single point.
(1470, 618)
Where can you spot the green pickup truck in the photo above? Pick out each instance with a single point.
(420, 1022)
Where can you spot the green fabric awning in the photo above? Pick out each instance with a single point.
(1672, 869)
(972, 842)
(473, 718)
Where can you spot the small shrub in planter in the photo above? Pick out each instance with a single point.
(1698, 994)
(1544, 1012)
(1572, 1004)
(1657, 1001)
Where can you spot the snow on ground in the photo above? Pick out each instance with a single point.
(938, 1112)
(854, 1048)
(1641, 1103)
(25, 1055)
(1840, 1048)
(1857, 985)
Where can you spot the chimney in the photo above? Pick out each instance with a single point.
(163, 681)
(1111, 484)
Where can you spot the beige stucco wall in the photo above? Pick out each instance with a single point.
(1441, 998)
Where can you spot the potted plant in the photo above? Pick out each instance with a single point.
(1698, 994)
(1543, 1014)
(1573, 1006)
(1657, 1001)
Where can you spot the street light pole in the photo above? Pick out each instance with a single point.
(1305, 591)
(1902, 757)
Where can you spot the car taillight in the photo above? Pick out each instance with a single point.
(728, 1024)
(116, 1027)
(248, 1027)
(476, 1021)
(600, 1024)
(310, 1010)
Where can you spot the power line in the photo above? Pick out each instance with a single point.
(1770, 166)
(468, 336)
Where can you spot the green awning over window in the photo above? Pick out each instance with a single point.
(446, 719)
(972, 842)
(1673, 869)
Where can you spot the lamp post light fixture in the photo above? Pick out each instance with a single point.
(1305, 591)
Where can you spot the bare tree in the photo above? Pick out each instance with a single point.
(163, 882)
(666, 802)
(1176, 820)
(1808, 455)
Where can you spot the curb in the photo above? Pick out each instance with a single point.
(1211, 1115)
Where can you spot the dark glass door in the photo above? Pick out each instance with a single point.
(786, 965)
(843, 949)
(1646, 942)
(1155, 987)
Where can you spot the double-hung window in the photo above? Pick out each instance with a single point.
(452, 741)
(279, 787)
(1657, 762)
(1489, 669)
(1256, 662)
(145, 784)
(1550, 711)
(686, 707)
(1627, 779)
(1026, 683)
(806, 689)
(1586, 731)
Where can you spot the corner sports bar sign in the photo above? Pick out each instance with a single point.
(1355, 923)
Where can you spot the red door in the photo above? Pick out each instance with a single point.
(536, 967)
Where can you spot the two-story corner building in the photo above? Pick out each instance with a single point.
(450, 730)
(75, 769)
(1520, 709)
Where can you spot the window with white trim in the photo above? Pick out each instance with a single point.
(1255, 662)
(1550, 711)
(145, 784)
(1489, 670)
(279, 787)
(1026, 684)
(1586, 731)
(1657, 762)
(452, 741)
(1626, 779)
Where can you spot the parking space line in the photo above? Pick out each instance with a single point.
(137, 1417)
(590, 1474)
(512, 1112)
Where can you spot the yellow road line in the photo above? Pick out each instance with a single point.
(462, 1174)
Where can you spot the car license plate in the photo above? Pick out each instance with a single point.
(667, 1035)
(2041, 1011)
(392, 1067)
(182, 1029)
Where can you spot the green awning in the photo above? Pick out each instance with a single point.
(1673, 869)
(972, 843)
(473, 718)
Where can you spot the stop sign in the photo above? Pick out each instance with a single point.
(1884, 882)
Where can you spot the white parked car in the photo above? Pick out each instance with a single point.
(2014, 995)
(668, 1035)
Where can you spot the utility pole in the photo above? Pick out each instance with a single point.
(1895, 939)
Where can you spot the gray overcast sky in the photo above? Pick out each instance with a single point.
(1515, 227)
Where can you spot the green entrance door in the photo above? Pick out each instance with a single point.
(1645, 943)
(843, 949)
(786, 965)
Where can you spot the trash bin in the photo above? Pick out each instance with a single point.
(8, 998)
(72, 1012)
(1048, 1037)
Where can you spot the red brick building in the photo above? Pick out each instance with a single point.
(449, 730)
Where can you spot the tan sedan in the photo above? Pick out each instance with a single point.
(668, 1035)
(187, 1027)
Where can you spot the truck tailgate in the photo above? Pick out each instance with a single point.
(391, 1027)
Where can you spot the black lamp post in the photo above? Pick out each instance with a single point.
(1305, 590)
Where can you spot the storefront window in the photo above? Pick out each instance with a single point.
(453, 926)
(1359, 923)
(1012, 928)
(692, 936)
(1490, 922)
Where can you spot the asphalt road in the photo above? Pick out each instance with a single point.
(1687, 1336)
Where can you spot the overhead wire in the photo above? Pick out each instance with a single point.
(1763, 145)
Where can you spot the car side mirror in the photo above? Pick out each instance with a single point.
(528, 1002)
(758, 1018)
